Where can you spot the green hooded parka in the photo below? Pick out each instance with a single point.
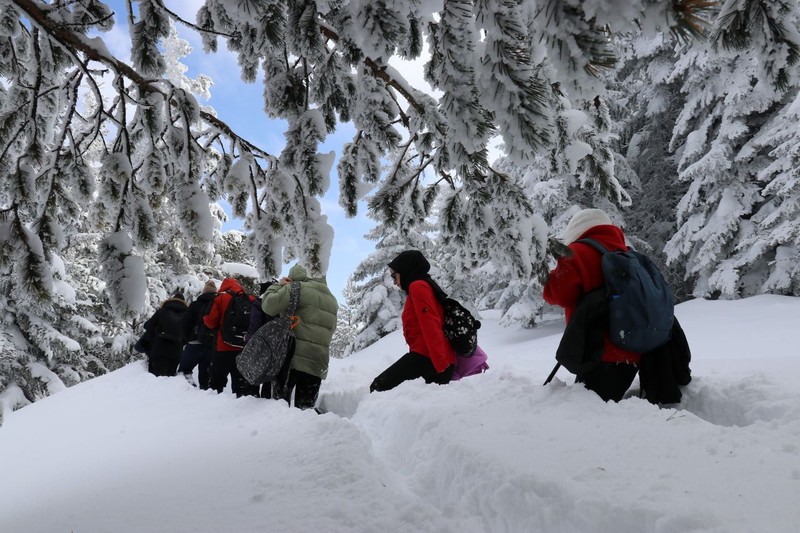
(317, 310)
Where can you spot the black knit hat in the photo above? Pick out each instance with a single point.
(178, 296)
(410, 263)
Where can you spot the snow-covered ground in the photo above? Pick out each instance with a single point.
(128, 452)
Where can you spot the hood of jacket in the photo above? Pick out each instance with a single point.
(174, 303)
(230, 284)
(298, 273)
(608, 235)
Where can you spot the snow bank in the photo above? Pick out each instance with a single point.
(496, 452)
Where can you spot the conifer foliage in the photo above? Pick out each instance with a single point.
(732, 143)
(123, 159)
(105, 169)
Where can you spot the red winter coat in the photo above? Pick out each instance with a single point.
(216, 316)
(581, 273)
(423, 317)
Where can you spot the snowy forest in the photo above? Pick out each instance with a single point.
(677, 117)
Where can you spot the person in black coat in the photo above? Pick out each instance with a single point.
(199, 347)
(165, 333)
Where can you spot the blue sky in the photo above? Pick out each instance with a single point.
(241, 105)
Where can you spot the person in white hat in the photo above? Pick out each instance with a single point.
(577, 274)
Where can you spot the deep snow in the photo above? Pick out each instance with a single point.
(128, 452)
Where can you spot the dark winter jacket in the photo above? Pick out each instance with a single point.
(197, 310)
(216, 318)
(663, 370)
(580, 273)
(166, 330)
(423, 314)
(317, 309)
(583, 341)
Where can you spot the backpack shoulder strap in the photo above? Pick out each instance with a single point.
(594, 244)
(294, 297)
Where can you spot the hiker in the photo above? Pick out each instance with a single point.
(199, 339)
(316, 309)
(575, 276)
(165, 334)
(257, 319)
(223, 360)
(430, 355)
(257, 315)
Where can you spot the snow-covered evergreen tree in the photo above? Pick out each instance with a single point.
(735, 90)
(102, 213)
(777, 222)
(377, 302)
(139, 167)
(347, 322)
(493, 61)
(507, 85)
(645, 102)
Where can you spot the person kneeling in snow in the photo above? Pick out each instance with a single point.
(430, 356)
(569, 285)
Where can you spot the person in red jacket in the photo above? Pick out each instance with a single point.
(430, 355)
(575, 275)
(223, 361)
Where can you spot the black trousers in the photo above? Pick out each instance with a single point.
(305, 386)
(222, 364)
(609, 380)
(411, 366)
(162, 366)
(196, 355)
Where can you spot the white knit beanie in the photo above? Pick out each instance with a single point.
(581, 222)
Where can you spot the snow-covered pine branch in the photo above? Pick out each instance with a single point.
(163, 158)
(99, 159)
(736, 93)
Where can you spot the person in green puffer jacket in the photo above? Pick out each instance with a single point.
(317, 309)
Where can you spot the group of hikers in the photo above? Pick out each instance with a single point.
(210, 332)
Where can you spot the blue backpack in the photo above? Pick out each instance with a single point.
(640, 301)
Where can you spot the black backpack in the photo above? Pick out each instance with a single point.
(460, 327)
(639, 300)
(170, 326)
(236, 321)
(205, 335)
